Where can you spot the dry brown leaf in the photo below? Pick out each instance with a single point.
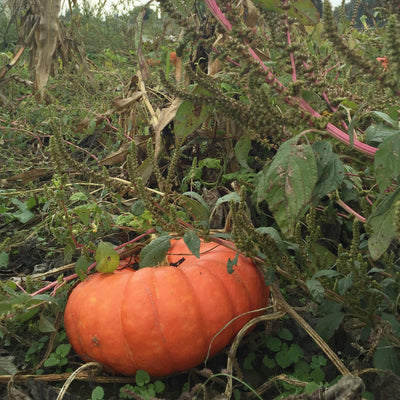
(28, 176)
(121, 104)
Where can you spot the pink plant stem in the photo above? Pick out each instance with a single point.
(271, 78)
(357, 216)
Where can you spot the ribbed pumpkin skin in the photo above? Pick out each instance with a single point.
(162, 320)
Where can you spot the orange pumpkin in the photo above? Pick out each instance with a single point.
(163, 320)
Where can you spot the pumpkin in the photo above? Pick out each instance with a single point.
(166, 319)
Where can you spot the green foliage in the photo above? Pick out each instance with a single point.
(97, 393)
(58, 358)
(143, 387)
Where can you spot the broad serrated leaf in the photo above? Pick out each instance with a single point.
(155, 251)
(107, 258)
(387, 161)
(287, 183)
(382, 226)
(193, 242)
(330, 170)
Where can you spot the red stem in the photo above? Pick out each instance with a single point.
(271, 78)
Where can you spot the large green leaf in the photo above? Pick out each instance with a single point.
(381, 223)
(330, 169)
(387, 161)
(287, 183)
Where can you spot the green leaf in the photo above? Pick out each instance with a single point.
(269, 362)
(155, 251)
(328, 324)
(83, 213)
(142, 378)
(295, 352)
(7, 366)
(273, 343)
(63, 349)
(287, 183)
(345, 283)
(231, 263)
(107, 258)
(282, 358)
(23, 215)
(387, 161)
(69, 251)
(233, 196)
(45, 325)
(159, 386)
(385, 357)
(52, 361)
(189, 117)
(81, 266)
(247, 363)
(138, 208)
(382, 226)
(330, 170)
(326, 273)
(4, 257)
(390, 121)
(196, 205)
(97, 393)
(316, 289)
(242, 149)
(376, 134)
(193, 242)
(285, 334)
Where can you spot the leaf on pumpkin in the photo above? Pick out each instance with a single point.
(155, 251)
(192, 241)
(231, 263)
(107, 258)
(287, 183)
